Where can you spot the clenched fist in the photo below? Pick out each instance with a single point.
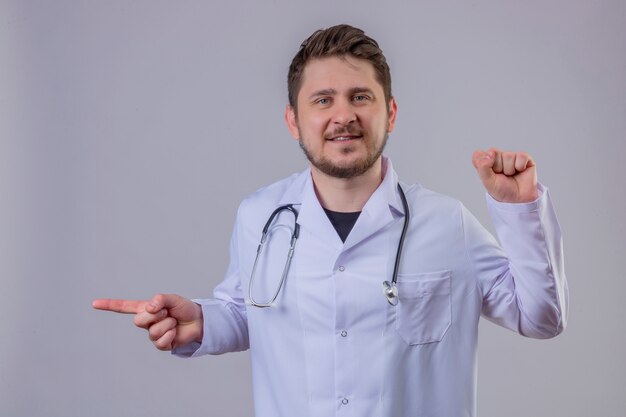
(509, 177)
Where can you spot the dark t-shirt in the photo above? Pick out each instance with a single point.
(342, 222)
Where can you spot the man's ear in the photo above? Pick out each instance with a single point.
(393, 112)
(292, 123)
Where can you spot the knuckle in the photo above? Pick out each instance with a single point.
(161, 346)
(139, 320)
(157, 299)
(154, 333)
(165, 341)
(160, 315)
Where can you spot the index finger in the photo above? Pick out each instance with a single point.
(119, 306)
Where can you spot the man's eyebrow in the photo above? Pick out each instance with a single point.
(358, 90)
(332, 92)
(324, 92)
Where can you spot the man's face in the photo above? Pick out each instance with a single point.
(342, 121)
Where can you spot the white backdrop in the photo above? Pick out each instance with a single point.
(130, 131)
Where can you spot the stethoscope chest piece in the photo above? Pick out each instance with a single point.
(391, 292)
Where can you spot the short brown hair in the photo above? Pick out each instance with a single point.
(338, 40)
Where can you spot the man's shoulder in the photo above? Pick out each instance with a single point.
(419, 195)
(273, 194)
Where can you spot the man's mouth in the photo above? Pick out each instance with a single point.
(344, 138)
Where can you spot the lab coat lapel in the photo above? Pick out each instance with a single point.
(311, 215)
(374, 217)
(383, 208)
(380, 211)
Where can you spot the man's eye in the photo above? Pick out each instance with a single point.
(323, 101)
(360, 98)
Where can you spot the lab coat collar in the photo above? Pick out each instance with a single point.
(389, 187)
(382, 208)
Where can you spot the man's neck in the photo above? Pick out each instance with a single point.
(347, 194)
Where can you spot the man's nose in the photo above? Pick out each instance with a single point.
(344, 113)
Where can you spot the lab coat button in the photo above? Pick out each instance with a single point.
(344, 401)
(344, 333)
(342, 268)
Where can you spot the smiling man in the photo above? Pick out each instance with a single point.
(364, 295)
(341, 102)
(342, 118)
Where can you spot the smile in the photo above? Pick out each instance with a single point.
(344, 138)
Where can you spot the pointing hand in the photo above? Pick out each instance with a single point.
(170, 319)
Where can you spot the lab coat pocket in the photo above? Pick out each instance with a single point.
(423, 311)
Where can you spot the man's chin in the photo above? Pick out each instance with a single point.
(344, 169)
(349, 163)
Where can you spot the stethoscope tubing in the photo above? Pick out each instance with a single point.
(405, 226)
(390, 289)
(294, 238)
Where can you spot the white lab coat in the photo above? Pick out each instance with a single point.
(333, 345)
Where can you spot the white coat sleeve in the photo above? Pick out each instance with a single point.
(524, 289)
(225, 321)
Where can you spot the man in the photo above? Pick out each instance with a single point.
(332, 341)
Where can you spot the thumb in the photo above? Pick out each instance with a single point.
(161, 301)
(484, 161)
(180, 308)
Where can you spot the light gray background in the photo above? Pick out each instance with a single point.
(130, 131)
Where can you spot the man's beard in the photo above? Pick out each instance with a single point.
(358, 167)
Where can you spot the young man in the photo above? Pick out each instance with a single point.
(326, 336)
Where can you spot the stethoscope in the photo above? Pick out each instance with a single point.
(390, 289)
